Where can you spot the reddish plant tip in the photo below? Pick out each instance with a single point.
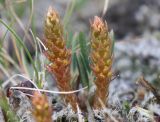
(97, 23)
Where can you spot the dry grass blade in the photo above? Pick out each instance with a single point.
(105, 6)
(9, 59)
(25, 29)
(107, 112)
(48, 91)
(149, 87)
(17, 53)
(20, 1)
(17, 75)
(80, 117)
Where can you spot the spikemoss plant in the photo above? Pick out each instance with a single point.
(101, 56)
(58, 55)
(42, 111)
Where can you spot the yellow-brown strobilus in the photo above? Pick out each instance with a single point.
(58, 55)
(41, 110)
(101, 56)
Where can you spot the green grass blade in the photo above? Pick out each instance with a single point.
(74, 60)
(80, 4)
(2, 40)
(68, 13)
(6, 58)
(84, 50)
(22, 44)
(10, 116)
(2, 2)
(82, 70)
